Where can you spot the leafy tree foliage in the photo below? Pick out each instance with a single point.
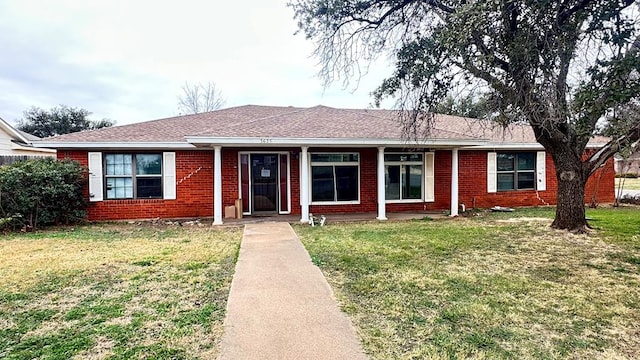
(561, 66)
(40, 192)
(59, 120)
(468, 106)
(200, 98)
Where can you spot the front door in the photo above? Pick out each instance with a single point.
(264, 183)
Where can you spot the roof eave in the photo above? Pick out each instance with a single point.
(113, 145)
(522, 146)
(327, 142)
(13, 132)
(23, 147)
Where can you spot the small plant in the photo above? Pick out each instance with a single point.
(630, 199)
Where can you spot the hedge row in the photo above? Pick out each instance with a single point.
(41, 192)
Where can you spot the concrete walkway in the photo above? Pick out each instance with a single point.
(280, 305)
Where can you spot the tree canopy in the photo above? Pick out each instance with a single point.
(468, 106)
(564, 67)
(59, 120)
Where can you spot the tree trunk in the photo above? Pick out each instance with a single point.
(570, 211)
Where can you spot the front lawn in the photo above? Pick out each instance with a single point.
(499, 285)
(115, 291)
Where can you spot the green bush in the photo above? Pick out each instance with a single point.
(40, 192)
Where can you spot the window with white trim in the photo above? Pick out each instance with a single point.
(516, 171)
(335, 177)
(133, 176)
(404, 176)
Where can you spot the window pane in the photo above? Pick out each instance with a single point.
(148, 164)
(505, 181)
(505, 162)
(403, 157)
(325, 157)
(347, 183)
(334, 157)
(526, 161)
(118, 164)
(412, 185)
(149, 187)
(322, 183)
(525, 180)
(392, 182)
(119, 188)
(244, 180)
(350, 157)
(284, 196)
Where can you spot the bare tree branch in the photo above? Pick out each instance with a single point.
(200, 98)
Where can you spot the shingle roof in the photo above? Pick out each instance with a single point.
(28, 136)
(319, 122)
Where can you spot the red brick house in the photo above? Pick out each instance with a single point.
(286, 160)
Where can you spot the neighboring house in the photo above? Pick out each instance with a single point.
(320, 160)
(17, 144)
(631, 165)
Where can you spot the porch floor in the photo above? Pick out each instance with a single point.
(333, 218)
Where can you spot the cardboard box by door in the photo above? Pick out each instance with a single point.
(239, 209)
(230, 212)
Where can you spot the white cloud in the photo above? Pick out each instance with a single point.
(126, 60)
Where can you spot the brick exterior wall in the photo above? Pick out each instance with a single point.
(194, 175)
(473, 185)
(194, 191)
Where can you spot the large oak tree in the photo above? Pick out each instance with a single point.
(59, 120)
(565, 67)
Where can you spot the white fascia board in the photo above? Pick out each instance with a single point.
(328, 142)
(12, 131)
(519, 146)
(112, 145)
(17, 146)
(507, 146)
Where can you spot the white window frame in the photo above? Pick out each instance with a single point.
(422, 180)
(515, 171)
(334, 164)
(97, 182)
(133, 175)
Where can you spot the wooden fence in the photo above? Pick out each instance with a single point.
(10, 159)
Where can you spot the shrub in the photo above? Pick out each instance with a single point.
(41, 192)
(630, 199)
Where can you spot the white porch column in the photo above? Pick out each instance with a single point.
(304, 185)
(382, 210)
(217, 185)
(454, 182)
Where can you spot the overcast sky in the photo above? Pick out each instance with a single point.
(127, 60)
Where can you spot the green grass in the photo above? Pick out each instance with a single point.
(115, 291)
(496, 285)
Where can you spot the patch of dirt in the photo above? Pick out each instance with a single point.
(6, 324)
(49, 327)
(102, 350)
(121, 321)
(524, 219)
